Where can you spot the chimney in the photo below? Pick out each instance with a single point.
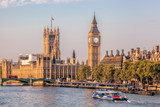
(111, 54)
(68, 60)
(157, 49)
(117, 52)
(122, 53)
(82, 63)
(128, 53)
(86, 62)
(148, 54)
(132, 51)
(137, 50)
(106, 54)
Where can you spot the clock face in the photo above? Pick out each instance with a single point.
(89, 39)
(95, 40)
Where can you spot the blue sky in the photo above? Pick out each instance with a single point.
(124, 24)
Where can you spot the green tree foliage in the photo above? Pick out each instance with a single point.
(81, 75)
(117, 74)
(87, 71)
(109, 72)
(84, 72)
(126, 72)
(143, 71)
(156, 71)
(98, 72)
(0, 71)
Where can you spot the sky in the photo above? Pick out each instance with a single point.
(123, 24)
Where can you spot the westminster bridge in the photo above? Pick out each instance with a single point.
(21, 81)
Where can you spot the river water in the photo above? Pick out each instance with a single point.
(32, 96)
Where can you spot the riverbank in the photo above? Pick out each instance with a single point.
(115, 87)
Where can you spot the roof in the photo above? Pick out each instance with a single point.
(94, 19)
(94, 30)
(112, 60)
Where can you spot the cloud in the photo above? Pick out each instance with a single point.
(59, 1)
(4, 3)
(8, 3)
(39, 1)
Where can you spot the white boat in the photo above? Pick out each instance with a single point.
(109, 95)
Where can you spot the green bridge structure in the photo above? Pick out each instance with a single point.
(25, 81)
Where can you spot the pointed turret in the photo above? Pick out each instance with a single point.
(47, 29)
(54, 30)
(57, 29)
(44, 31)
(94, 28)
(73, 57)
(51, 31)
(94, 22)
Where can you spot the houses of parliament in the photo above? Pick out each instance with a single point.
(49, 65)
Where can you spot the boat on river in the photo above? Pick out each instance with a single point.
(109, 95)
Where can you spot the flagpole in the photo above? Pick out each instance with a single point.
(51, 23)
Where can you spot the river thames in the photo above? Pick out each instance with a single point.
(32, 96)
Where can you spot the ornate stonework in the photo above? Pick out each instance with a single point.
(94, 41)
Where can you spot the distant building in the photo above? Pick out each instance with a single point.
(117, 60)
(137, 55)
(133, 55)
(155, 55)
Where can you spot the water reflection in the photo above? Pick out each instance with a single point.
(28, 96)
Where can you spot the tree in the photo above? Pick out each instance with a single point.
(87, 71)
(149, 72)
(84, 72)
(109, 72)
(126, 72)
(81, 75)
(156, 71)
(141, 71)
(0, 71)
(98, 72)
(117, 75)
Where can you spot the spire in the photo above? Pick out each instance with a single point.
(47, 29)
(94, 28)
(74, 55)
(44, 29)
(54, 29)
(57, 29)
(94, 19)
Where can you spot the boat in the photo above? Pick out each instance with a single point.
(109, 95)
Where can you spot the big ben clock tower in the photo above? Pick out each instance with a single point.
(94, 41)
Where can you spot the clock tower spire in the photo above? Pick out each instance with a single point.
(94, 41)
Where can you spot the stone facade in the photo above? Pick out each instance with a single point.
(137, 55)
(94, 41)
(154, 55)
(117, 60)
(47, 65)
(133, 55)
